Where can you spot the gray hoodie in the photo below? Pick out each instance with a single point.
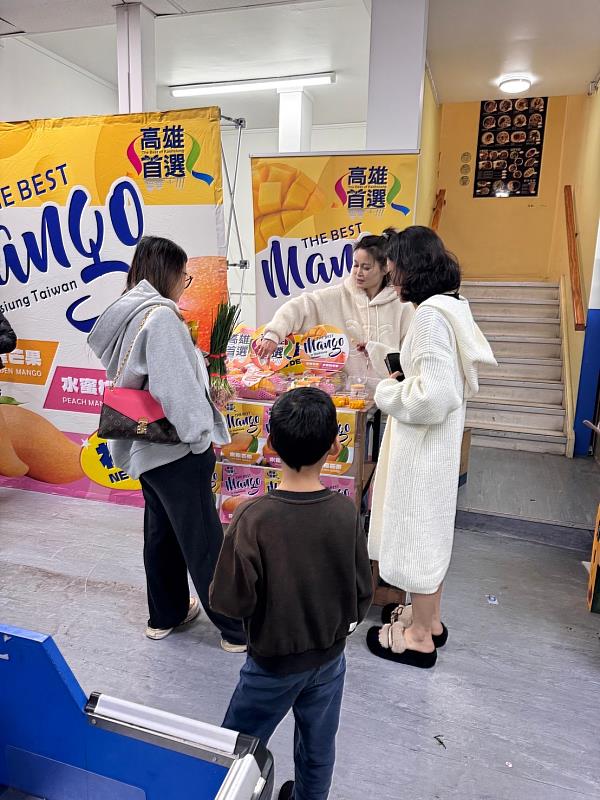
(165, 362)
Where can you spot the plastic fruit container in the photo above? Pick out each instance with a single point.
(339, 400)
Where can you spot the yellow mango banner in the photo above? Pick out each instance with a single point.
(309, 210)
(76, 197)
(173, 157)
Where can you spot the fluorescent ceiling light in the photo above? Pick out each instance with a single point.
(514, 84)
(254, 85)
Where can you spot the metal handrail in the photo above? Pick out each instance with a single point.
(440, 202)
(574, 262)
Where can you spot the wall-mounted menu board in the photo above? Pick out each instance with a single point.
(509, 147)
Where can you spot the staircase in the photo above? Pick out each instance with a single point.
(520, 405)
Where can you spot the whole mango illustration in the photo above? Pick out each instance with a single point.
(11, 465)
(32, 446)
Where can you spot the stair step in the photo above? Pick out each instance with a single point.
(543, 284)
(546, 369)
(518, 326)
(546, 309)
(518, 383)
(508, 405)
(526, 346)
(511, 437)
(510, 289)
(540, 417)
(523, 445)
(508, 389)
(509, 430)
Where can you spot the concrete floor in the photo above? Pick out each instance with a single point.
(542, 488)
(514, 694)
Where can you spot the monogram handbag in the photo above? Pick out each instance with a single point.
(134, 413)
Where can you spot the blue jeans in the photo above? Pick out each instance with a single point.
(262, 699)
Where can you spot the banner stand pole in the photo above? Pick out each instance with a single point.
(242, 264)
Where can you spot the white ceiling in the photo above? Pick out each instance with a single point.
(44, 16)
(471, 44)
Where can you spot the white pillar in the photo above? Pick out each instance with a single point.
(396, 74)
(136, 58)
(295, 121)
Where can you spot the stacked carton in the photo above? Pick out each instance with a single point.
(249, 468)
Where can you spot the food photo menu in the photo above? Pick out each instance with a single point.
(509, 147)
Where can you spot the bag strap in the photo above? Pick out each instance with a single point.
(125, 358)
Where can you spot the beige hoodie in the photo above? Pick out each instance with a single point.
(381, 323)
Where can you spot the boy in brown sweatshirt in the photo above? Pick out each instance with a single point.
(294, 566)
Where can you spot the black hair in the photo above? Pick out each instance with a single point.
(375, 247)
(423, 265)
(303, 427)
(159, 261)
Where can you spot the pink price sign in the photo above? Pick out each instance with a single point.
(77, 389)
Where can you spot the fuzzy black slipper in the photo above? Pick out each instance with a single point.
(287, 791)
(413, 658)
(439, 639)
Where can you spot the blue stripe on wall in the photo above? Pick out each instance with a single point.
(588, 383)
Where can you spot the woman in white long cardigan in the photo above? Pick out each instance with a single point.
(414, 502)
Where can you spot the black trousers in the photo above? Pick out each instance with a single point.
(182, 533)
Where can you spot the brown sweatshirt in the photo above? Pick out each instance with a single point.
(295, 567)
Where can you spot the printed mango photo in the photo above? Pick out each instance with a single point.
(33, 447)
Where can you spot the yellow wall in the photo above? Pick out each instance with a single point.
(587, 187)
(524, 238)
(429, 159)
(583, 173)
(502, 238)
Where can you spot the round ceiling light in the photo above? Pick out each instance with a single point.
(514, 85)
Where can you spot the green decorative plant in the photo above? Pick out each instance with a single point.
(223, 326)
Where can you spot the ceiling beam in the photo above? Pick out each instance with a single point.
(65, 62)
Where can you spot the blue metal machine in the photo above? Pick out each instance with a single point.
(57, 744)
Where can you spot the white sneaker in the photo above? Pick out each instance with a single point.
(161, 633)
(230, 647)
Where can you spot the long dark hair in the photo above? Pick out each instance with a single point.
(375, 247)
(158, 261)
(423, 265)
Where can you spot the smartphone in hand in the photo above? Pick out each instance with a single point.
(392, 362)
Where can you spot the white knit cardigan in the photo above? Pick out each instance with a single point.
(414, 499)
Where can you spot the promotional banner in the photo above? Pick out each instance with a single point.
(309, 210)
(76, 196)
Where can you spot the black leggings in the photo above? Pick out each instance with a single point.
(182, 533)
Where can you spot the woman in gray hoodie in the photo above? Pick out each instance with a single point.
(182, 531)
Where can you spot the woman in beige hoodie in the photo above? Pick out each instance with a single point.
(365, 306)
